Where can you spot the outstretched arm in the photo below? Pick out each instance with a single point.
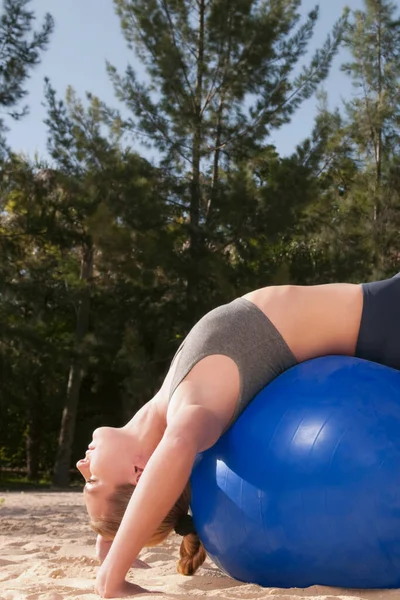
(163, 480)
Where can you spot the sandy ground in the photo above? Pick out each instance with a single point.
(47, 553)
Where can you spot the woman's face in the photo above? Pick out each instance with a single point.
(108, 462)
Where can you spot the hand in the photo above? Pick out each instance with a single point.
(115, 589)
(102, 547)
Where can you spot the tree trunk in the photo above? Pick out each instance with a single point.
(378, 153)
(378, 147)
(216, 162)
(195, 192)
(76, 374)
(218, 140)
(33, 435)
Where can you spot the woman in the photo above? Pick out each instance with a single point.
(230, 354)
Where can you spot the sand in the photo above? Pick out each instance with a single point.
(47, 553)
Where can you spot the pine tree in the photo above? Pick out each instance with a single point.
(20, 51)
(221, 78)
(331, 244)
(33, 314)
(373, 38)
(72, 336)
(111, 218)
(352, 227)
(373, 117)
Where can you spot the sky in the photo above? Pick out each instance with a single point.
(87, 33)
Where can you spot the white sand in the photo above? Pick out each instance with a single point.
(47, 553)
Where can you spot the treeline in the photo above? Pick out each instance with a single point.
(107, 260)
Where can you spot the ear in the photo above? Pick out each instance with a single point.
(138, 474)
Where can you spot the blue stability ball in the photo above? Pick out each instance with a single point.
(305, 487)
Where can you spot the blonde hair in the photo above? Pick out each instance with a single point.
(192, 551)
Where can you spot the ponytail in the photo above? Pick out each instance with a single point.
(192, 551)
(192, 554)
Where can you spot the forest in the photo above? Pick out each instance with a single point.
(108, 259)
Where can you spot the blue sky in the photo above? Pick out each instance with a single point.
(87, 34)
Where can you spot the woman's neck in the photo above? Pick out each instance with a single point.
(148, 426)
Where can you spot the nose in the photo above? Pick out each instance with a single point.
(103, 430)
(99, 431)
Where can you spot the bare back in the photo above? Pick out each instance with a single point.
(316, 320)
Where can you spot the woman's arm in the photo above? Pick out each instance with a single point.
(163, 480)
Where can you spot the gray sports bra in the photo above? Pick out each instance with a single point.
(241, 331)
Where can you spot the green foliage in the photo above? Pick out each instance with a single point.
(373, 38)
(20, 51)
(220, 77)
(360, 214)
(245, 54)
(107, 260)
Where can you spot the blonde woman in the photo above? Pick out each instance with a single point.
(229, 355)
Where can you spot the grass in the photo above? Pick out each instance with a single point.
(11, 481)
(10, 484)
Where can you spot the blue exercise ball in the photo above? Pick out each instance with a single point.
(304, 488)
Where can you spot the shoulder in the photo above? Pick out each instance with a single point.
(196, 425)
